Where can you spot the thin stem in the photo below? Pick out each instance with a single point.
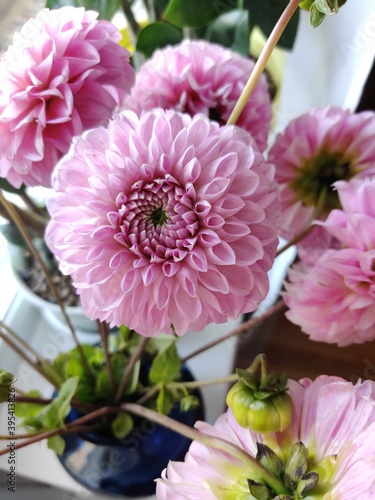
(36, 365)
(130, 17)
(32, 205)
(129, 369)
(72, 430)
(104, 332)
(243, 328)
(263, 59)
(301, 235)
(32, 220)
(257, 469)
(23, 230)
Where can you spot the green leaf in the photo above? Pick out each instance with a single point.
(166, 366)
(106, 8)
(27, 410)
(52, 415)
(327, 7)
(160, 343)
(196, 13)
(157, 35)
(57, 444)
(122, 425)
(316, 17)
(165, 401)
(266, 13)
(4, 184)
(230, 30)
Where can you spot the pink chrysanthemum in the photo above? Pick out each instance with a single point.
(202, 77)
(64, 73)
(315, 150)
(333, 298)
(165, 220)
(332, 418)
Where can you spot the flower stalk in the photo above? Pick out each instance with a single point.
(263, 59)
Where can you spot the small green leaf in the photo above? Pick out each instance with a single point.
(156, 36)
(165, 401)
(57, 444)
(327, 7)
(316, 17)
(26, 410)
(248, 378)
(166, 366)
(195, 13)
(122, 425)
(188, 403)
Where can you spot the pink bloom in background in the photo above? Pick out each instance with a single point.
(333, 298)
(202, 77)
(315, 150)
(64, 73)
(333, 418)
(165, 220)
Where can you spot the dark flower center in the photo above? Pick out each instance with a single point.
(317, 176)
(157, 220)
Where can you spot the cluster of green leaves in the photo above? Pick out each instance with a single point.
(319, 9)
(6, 381)
(159, 372)
(228, 22)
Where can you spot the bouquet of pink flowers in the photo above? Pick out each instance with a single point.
(167, 198)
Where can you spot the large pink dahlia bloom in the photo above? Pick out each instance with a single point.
(333, 298)
(165, 220)
(335, 421)
(64, 73)
(315, 150)
(202, 77)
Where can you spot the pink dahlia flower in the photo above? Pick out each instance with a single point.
(315, 150)
(165, 221)
(202, 77)
(332, 418)
(64, 73)
(333, 298)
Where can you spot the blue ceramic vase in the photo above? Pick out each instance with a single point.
(127, 467)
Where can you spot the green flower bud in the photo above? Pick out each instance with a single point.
(6, 378)
(270, 413)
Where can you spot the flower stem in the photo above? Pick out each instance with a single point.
(258, 471)
(130, 17)
(243, 328)
(103, 331)
(263, 59)
(23, 230)
(132, 361)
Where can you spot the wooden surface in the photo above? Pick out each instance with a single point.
(288, 348)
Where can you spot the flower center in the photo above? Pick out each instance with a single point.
(317, 176)
(157, 220)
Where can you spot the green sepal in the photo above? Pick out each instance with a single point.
(259, 491)
(248, 379)
(269, 459)
(327, 7)
(296, 465)
(306, 484)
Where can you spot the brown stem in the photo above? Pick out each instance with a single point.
(73, 430)
(132, 361)
(104, 332)
(34, 221)
(130, 17)
(243, 328)
(36, 365)
(32, 205)
(23, 230)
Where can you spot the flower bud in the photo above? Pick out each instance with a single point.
(270, 413)
(306, 4)
(6, 378)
